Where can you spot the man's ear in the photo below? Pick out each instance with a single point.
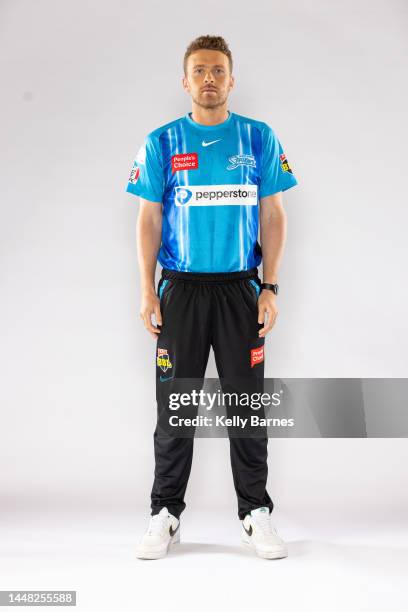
(232, 82)
(185, 84)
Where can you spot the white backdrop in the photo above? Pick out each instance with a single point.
(82, 83)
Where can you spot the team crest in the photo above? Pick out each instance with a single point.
(163, 359)
(285, 164)
(241, 160)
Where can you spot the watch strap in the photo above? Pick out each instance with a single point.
(271, 287)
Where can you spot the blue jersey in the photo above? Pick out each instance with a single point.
(209, 180)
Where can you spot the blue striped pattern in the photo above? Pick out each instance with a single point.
(215, 237)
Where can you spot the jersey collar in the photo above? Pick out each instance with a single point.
(207, 128)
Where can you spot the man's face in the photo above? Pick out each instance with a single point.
(208, 79)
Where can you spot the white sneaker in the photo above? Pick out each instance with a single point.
(260, 535)
(163, 531)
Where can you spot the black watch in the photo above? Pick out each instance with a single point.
(271, 287)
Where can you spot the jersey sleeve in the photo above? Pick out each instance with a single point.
(276, 173)
(146, 175)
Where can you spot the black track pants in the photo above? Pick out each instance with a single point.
(200, 311)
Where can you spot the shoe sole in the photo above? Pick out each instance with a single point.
(279, 553)
(154, 554)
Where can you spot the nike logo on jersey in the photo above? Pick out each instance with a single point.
(207, 144)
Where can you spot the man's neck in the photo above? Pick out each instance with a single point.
(209, 116)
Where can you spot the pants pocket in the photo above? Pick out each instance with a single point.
(255, 286)
(162, 288)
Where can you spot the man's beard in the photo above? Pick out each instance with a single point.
(210, 103)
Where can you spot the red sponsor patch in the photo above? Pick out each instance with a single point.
(185, 161)
(257, 355)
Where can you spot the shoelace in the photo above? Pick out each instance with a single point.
(157, 525)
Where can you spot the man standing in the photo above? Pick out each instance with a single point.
(206, 182)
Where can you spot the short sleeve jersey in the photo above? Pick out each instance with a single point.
(209, 180)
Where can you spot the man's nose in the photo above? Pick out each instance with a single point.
(209, 77)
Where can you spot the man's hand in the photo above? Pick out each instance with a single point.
(266, 306)
(151, 305)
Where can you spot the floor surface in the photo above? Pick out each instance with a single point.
(329, 567)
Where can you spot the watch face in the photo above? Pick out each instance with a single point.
(276, 289)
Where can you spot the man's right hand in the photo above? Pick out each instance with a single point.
(151, 305)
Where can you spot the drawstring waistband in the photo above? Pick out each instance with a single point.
(209, 276)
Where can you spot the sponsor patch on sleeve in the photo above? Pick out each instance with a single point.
(285, 164)
(134, 174)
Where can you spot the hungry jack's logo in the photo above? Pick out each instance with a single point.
(285, 164)
(163, 359)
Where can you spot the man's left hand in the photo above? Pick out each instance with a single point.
(267, 311)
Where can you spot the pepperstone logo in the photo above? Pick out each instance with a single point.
(216, 195)
(183, 195)
(241, 160)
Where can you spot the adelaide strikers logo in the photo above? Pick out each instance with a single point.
(163, 359)
(241, 160)
(183, 195)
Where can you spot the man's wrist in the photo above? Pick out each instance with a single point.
(148, 290)
(273, 287)
(270, 278)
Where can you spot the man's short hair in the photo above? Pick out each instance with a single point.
(214, 43)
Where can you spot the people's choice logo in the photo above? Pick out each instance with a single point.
(183, 195)
(241, 160)
(216, 195)
(257, 356)
(184, 161)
